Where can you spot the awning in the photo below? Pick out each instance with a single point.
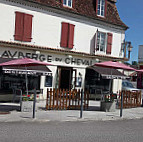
(108, 73)
(33, 70)
(30, 70)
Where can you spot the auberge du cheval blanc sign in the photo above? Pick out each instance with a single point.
(48, 58)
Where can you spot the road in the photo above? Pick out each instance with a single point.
(88, 131)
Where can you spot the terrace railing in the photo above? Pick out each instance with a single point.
(130, 99)
(66, 99)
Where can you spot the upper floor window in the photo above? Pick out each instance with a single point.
(67, 3)
(101, 6)
(101, 38)
(67, 35)
(23, 27)
(104, 42)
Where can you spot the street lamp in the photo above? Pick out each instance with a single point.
(127, 46)
(129, 49)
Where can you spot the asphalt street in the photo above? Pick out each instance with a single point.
(83, 131)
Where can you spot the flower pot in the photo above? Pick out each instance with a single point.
(108, 106)
(27, 106)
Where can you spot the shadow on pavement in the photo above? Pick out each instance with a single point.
(8, 108)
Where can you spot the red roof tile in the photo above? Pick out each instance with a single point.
(87, 8)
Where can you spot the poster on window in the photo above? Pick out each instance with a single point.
(48, 81)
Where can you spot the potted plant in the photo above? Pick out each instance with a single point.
(108, 104)
(27, 103)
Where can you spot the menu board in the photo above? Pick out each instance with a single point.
(48, 81)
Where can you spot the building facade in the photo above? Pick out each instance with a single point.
(71, 35)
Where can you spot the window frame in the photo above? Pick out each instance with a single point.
(67, 5)
(99, 8)
(99, 42)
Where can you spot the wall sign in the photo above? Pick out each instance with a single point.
(48, 58)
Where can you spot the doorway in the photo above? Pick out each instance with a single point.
(65, 78)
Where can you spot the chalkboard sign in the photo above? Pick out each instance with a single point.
(48, 81)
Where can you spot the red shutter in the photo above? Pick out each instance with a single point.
(139, 80)
(109, 43)
(71, 36)
(96, 6)
(105, 12)
(19, 23)
(64, 35)
(27, 27)
(73, 3)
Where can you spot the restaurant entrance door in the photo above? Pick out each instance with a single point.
(65, 77)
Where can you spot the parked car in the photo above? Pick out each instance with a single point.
(128, 86)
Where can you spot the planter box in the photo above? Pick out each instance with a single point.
(108, 106)
(27, 106)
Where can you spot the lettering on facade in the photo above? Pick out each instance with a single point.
(48, 58)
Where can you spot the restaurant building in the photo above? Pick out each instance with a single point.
(71, 35)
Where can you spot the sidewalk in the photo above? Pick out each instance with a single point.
(42, 115)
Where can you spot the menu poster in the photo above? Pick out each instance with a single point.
(48, 81)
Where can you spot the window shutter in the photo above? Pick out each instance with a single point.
(105, 12)
(64, 35)
(27, 27)
(71, 36)
(73, 3)
(96, 40)
(96, 6)
(19, 23)
(139, 80)
(109, 43)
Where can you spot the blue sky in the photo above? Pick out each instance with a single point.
(131, 13)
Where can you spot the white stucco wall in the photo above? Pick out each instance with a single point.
(47, 29)
(117, 86)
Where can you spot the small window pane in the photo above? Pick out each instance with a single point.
(69, 3)
(102, 13)
(102, 8)
(103, 2)
(97, 47)
(65, 2)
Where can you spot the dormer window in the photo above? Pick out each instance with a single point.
(67, 3)
(101, 8)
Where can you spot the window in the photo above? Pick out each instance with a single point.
(101, 7)
(101, 38)
(67, 3)
(104, 42)
(23, 27)
(67, 35)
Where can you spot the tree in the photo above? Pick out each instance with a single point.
(134, 63)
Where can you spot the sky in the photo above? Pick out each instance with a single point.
(131, 13)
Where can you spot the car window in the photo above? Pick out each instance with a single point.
(130, 85)
(127, 84)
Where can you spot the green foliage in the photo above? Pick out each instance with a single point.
(27, 98)
(134, 63)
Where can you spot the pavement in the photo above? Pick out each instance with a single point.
(9, 112)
